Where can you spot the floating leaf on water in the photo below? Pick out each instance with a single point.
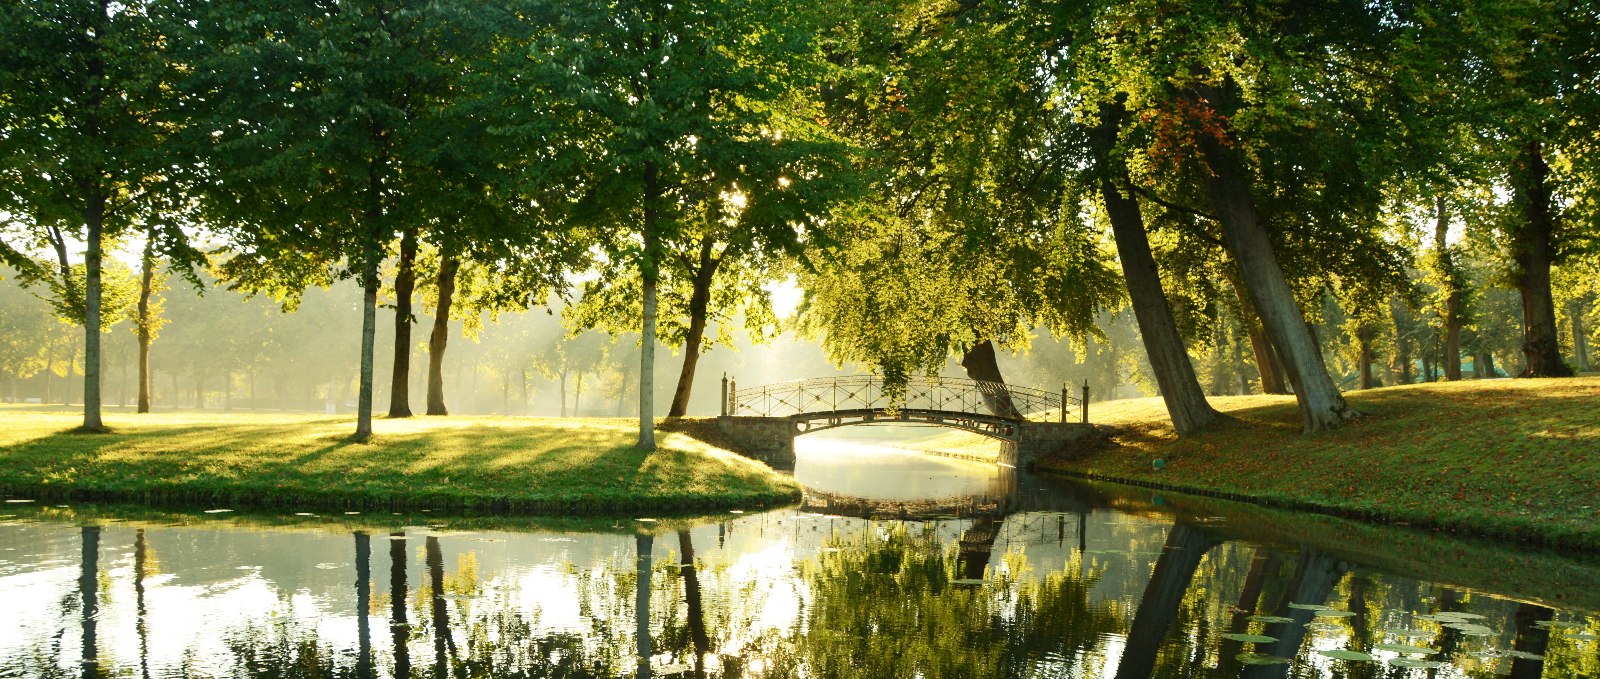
(1524, 655)
(1346, 654)
(1558, 624)
(1409, 633)
(1583, 637)
(1330, 613)
(969, 581)
(1271, 619)
(1250, 638)
(1259, 659)
(1310, 607)
(1458, 615)
(1418, 663)
(1405, 648)
(218, 511)
(1470, 629)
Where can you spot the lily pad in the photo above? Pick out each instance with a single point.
(1346, 654)
(1470, 629)
(1583, 637)
(1259, 659)
(1331, 613)
(1458, 615)
(1409, 633)
(1418, 663)
(1405, 648)
(1523, 655)
(1250, 638)
(1310, 607)
(1270, 619)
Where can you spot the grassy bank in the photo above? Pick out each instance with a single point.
(1503, 458)
(1507, 458)
(294, 461)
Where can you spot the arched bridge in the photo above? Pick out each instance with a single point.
(767, 418)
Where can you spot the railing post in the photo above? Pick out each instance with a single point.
(1083, 406)
(724, 394)
(1063, 402)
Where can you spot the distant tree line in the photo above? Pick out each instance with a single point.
(1293, 193)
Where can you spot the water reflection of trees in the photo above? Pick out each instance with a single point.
(891, 602)
(880, 599)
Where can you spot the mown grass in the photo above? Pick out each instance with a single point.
(1505, 458)
(525, 465)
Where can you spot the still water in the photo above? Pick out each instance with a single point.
(960, 570)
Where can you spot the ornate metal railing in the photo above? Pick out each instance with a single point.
(868, 392)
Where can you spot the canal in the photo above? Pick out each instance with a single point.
(899, 564)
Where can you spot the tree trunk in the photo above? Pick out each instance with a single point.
(93, 218)
(982, 366)
(648, 273)
(1402, 340)
(522, 390)
(405, 281)
(146, 281)
(448, 266)
(369, 307)
(1453, 293)
(1533, 252)
(1580, 340)
(1163, 344)
(1321, 405)
(1162, 597)
(562, 378)
(1364, 340)
(577, 393)
(1267, 364)
(699, 301)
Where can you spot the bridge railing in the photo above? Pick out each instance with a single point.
(868, 392)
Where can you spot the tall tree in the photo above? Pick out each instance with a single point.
(682, 98)
(88, 114)
(323, 139)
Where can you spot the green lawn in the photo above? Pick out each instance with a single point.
(1507, 458)
(539, 465)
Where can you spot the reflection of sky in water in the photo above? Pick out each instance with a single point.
(783, 593)
(876, 470)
